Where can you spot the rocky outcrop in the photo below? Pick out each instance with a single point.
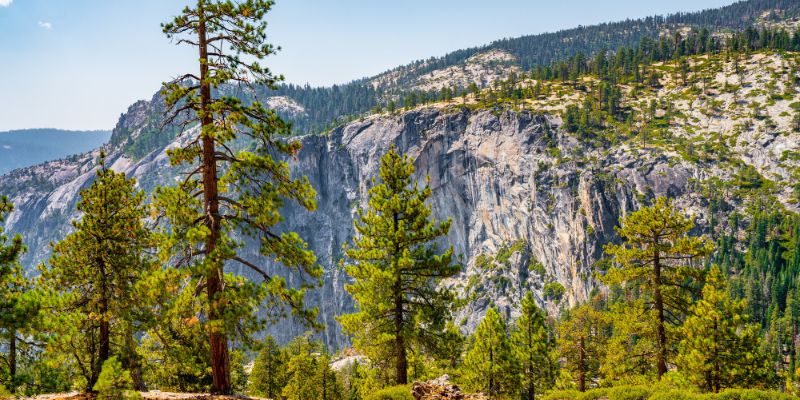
(441, 389)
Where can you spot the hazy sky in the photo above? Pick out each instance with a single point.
(78, 64)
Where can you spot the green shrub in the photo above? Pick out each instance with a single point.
(594, 394)
(115, 383)
(655, 392)
(752, 394)
(563, 395)
(402, 392)
(628, 393)
(677, 394)
(554, 291)
(4, 394)
(537, 267)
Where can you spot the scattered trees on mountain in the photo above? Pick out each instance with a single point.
(107, 315)
(229, 189)
(396, 268)
(613, 338)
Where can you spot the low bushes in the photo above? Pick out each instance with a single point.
(402, 392)
(655, 393)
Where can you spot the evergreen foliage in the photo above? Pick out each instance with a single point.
(17, 305)
(230, 190)
(532, 346)
(396, 267)
(115, 383)
(719, 349)
(659, 258)
(309, 376)
(268, 375)
(489, 361)
(93, 276)
(117, 320)
(581, 343)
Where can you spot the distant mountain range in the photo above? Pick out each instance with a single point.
(24, 148)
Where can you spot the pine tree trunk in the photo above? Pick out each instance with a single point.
(531, 386)
(401, 365)
(491, 371)
(12, 357)
(220, 360)
(104, 349)
(582, 365)
(134, 366)
(661, 337)
(531, 391)
(105, 339)
(717, 374)
(399, 343)
(324, 383)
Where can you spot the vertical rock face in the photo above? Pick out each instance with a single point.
(509, 199)
(523, 218)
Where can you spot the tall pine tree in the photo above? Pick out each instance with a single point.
(268, 375)
(659, 257)
(532, 344)
(581, 341)
(93, 273)
(17, 306)
(309, 375)
(489, 362)
(235, 183)
(396, 268)
(719, 348)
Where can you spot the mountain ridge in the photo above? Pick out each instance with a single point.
(27, 147)
(324, 107)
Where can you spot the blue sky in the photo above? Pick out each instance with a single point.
(78, 64)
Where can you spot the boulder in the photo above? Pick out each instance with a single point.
(441, 389)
